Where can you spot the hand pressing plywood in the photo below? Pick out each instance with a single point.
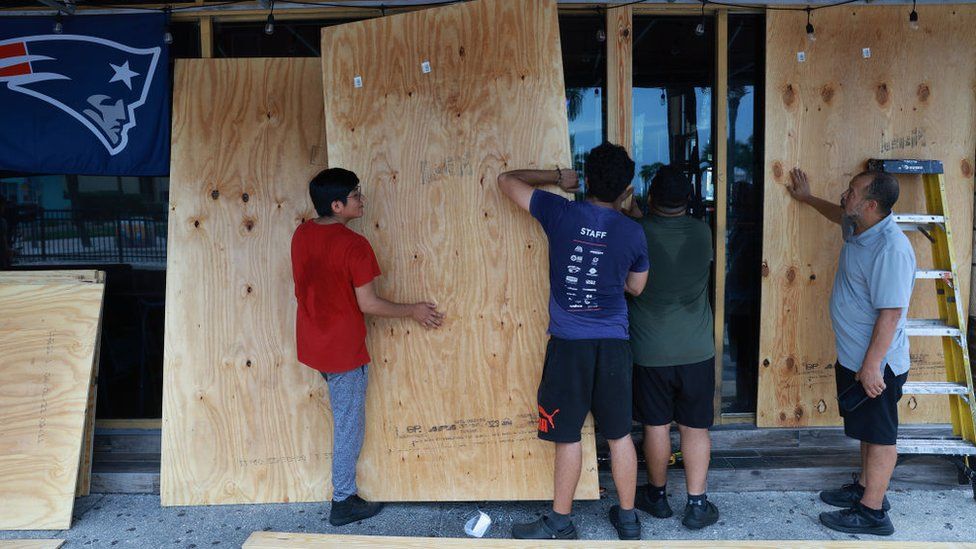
(243, 421)
(48, 340)
(869, 87)
(428, 108)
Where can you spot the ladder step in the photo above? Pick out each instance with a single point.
(935, 388)
(932, 274)
(930, 327)
(919, 218)
(937, 446)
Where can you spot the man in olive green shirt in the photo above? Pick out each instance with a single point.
(674, 355)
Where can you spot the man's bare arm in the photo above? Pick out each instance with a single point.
(871, 375)
(635, 283)
(426, 314)
(518, 185)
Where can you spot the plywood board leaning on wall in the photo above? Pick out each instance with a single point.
(449, 98)
(243, 421)
(48, 340)
(868, 87)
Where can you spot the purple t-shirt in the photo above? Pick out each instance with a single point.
(591, 251)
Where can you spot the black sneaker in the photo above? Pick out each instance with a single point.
(658, 508)
(543, 529)
(625, 530)
(856, 520)
(700, 515)
(848, 495)
(352, 509)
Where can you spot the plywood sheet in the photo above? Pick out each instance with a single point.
(909, 95)
(48, 335)
(278, 540)
(452, 413)
(31, 543)
(243, 421)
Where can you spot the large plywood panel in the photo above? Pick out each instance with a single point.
(48, 334)
(243, 421)
(910, 96)
(278, 540)
(452, 413)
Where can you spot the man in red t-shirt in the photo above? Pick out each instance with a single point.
(334, 269)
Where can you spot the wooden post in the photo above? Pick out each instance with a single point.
(720, 179)
(206, 37)
(620, 69)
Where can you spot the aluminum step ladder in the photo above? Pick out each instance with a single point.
(934, 224)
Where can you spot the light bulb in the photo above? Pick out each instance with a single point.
(810, 34)
(269, 26)
(913, 20)
(58, 27)
(700, 29)
(601, 35)
(167, 37)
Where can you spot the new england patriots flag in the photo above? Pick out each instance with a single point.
(93, 100)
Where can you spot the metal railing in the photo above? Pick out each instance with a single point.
(90, 236)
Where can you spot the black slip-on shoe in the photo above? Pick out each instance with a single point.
(542, 529)
(857, 521)
(625, 530)
(700, 516)
(352, 509)
(658, 508)
(848, 495)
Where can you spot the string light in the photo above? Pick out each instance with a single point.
(269, 26)
(58, 27)
(810, 34)
(167, 35)
(913, 18)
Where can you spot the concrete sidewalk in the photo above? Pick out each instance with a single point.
(117, 520)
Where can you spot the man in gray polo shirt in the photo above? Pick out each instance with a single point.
(868, 307)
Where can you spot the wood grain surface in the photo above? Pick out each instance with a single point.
(452, 413)
(48, 334)
(243, 421)
(869, 87)
(279, 540)
(31, 543)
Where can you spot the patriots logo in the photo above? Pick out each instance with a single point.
(98, 82)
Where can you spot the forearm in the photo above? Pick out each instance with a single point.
(828, 209)
(535, 178)
(881, 337)
(378, 306)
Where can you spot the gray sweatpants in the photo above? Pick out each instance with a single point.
(347, 393)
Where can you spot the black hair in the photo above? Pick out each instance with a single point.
(329, 186)
(670, 187)
(883, 189)
(608, 171)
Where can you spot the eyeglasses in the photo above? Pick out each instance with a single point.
(356, 193)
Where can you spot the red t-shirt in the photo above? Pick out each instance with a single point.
(328, 263)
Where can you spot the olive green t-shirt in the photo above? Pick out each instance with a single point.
(671, 321)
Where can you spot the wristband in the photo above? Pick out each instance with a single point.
(559, 175)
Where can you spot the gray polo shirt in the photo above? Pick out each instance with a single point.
(876, 271)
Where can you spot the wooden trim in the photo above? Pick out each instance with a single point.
(719, 168)
(151, 423)
(620, 69)
(745, 418)
(206, 37)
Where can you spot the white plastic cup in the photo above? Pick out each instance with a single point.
(477, 525)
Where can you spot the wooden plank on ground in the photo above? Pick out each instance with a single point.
(452, 413)
(869, 87)
(31, 543)
(48, 334)
(243, 421)
(279, 540)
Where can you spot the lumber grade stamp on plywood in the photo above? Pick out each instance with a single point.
(243, 421)
(428, 108)
(280, 540)
(869, 87)
(48, 334)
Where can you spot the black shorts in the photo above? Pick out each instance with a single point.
(684, 394)
(875, 421)
(583, 375)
